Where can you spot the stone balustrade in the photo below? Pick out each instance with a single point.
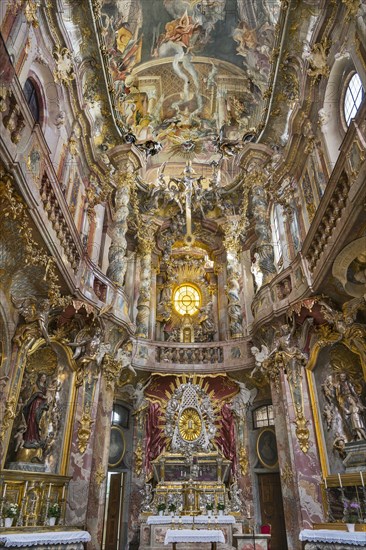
(341, 203)
(286, 288)
(194, 357)
(35, 175)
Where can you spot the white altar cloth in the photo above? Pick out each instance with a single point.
(164, 520)
(51, 537)
(329, 535)
(194, 535)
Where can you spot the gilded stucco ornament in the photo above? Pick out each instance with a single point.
(318, 59)
(100, 475)
(138, 460)
(111, 370)
(29, 7)
(84, 430)
(13, 207)
(243, 460)
(352, 8)
(64, 72)
(302, 432)
(287, 474)
(9, 415)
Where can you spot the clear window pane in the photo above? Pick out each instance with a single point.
(353, 98)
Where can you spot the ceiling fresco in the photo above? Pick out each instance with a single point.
(189, 75)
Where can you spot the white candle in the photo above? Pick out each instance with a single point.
(25, 488)
(325, 482)
(4, 490)
(49, 490)
(362, 481)
(340, 481)
(63, 492)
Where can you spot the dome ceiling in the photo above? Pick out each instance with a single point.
(189, 76)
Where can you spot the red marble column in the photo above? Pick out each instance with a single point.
(99, 465)
(300, 472)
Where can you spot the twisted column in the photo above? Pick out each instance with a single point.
(264, 246)
(232, 288)
(117, 251)
(143, 302)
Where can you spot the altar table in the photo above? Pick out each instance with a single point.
(328, 539)
(194, 535)
(163, 520)
(53, 540)
(154, 528)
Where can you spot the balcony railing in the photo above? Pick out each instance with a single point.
(22, 142)
(194, 357)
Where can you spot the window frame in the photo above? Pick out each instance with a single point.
(351, 74)
(269, 417)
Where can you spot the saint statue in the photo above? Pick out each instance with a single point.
(33, 411)
(351, 407)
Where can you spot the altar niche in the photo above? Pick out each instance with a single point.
(190, 485)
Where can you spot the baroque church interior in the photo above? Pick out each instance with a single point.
(183, 274)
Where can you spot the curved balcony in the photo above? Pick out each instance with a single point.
(196, 357)
(21, 142)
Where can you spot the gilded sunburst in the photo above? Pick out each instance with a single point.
(190, 424)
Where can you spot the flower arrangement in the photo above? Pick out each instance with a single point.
(11, 510)
(221, 506)
(54, 511)
(172, 507)
(161, 507)
(351, 512)
(209, 506)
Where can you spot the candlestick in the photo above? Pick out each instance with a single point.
(340, 481)
(362, 481)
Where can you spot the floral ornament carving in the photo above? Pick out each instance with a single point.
(138, 460)
(100, 475)
(29, 7)
(352, 7)
(302, 432)
(287, 474)
(111, 370)
(243, 460)
(9, 415)
(64, 72)
(84, 430)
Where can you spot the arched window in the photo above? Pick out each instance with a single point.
(353, 98)
(31, 96)
(276, 237)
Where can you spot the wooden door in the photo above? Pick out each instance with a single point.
(270, 495)
(113, 512)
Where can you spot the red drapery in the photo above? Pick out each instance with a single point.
(226, 437)
(155, 439)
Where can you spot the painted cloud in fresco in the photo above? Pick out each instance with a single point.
(180, 35)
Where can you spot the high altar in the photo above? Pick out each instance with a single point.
(192, 484)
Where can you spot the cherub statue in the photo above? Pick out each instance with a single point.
(260, 356)
(257, 272)
(243, 399)
(138, 396)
